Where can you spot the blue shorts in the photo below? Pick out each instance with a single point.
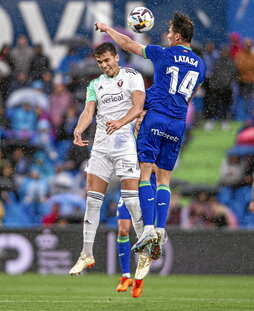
(159, 139)
(122, 211)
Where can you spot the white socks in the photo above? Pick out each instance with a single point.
(91, 220)
(131, 200)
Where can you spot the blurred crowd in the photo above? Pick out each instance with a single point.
(42, 177)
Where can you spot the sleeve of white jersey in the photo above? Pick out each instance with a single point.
(136, 82)
(90, 92)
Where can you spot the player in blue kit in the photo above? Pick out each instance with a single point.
(178, 74)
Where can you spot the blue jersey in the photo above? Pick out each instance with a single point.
(177, 73)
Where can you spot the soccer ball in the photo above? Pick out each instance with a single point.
(140, 20)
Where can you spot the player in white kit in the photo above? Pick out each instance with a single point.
(118, 97)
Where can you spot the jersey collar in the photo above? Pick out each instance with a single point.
(114, 76)
(185, 47)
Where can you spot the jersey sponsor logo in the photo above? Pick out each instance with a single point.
(163, 134)
(186, 59)
(120, 83)
(110, 98)
(100, 88)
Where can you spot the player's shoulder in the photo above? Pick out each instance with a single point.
(129, 71)
(95, 80)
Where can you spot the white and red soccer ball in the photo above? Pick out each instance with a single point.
(140, 20)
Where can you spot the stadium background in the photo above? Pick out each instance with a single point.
(49, 22)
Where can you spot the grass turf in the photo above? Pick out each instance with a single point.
(201, 159)
(97, 292)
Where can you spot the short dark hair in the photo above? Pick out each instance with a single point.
(105, 47)
(183, 25)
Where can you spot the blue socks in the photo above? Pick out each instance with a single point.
(124, 251)
(162, 205)
(146, 198)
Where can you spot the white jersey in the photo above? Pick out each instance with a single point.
(113, 97)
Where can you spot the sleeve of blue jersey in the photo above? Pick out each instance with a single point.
(203, 70)
(152, 52)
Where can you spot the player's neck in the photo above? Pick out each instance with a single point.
(185, 44)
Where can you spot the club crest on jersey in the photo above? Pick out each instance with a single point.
(120, 83)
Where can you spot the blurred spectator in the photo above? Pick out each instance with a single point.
(210, 56)
(52, 217)
(199, 210)
(5, 55)
(222, 216)
(223, 74)
(61, 181)
(20, 81)
(232, 171)
(235, 45)
(7, 176)
(34, 189)
(22, 54)
(43, 137)
(39, 63)
(245, 65)
(7, 181)
(4, 122)
(64, 132)
(6, 70)
(249, 170)
(47, 79)
(66, 127)
(69, 61)
(60, 100)
(71, 204)
(20, 163)
(175, 213)
(251, 205)
(23, 121)
(1, 213)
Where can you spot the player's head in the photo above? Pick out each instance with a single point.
(181, 29)
(107, 58)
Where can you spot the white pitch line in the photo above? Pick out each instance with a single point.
(113, 299)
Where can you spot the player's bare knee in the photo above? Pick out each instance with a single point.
(122, 231)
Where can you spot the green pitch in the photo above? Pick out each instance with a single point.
(97, 292)
(201, 159)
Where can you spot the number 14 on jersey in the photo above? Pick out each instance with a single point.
(187, 84)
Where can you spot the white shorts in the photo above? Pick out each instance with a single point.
(120, 158)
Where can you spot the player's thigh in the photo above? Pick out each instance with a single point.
(149, 137)
(95, 183)
(171, 144)
(100, 165)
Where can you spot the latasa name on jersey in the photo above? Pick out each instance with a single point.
(186, 59)
(112, 98)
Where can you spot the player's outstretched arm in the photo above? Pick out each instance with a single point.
(122, 40)
(84, 121)
(138, 99)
